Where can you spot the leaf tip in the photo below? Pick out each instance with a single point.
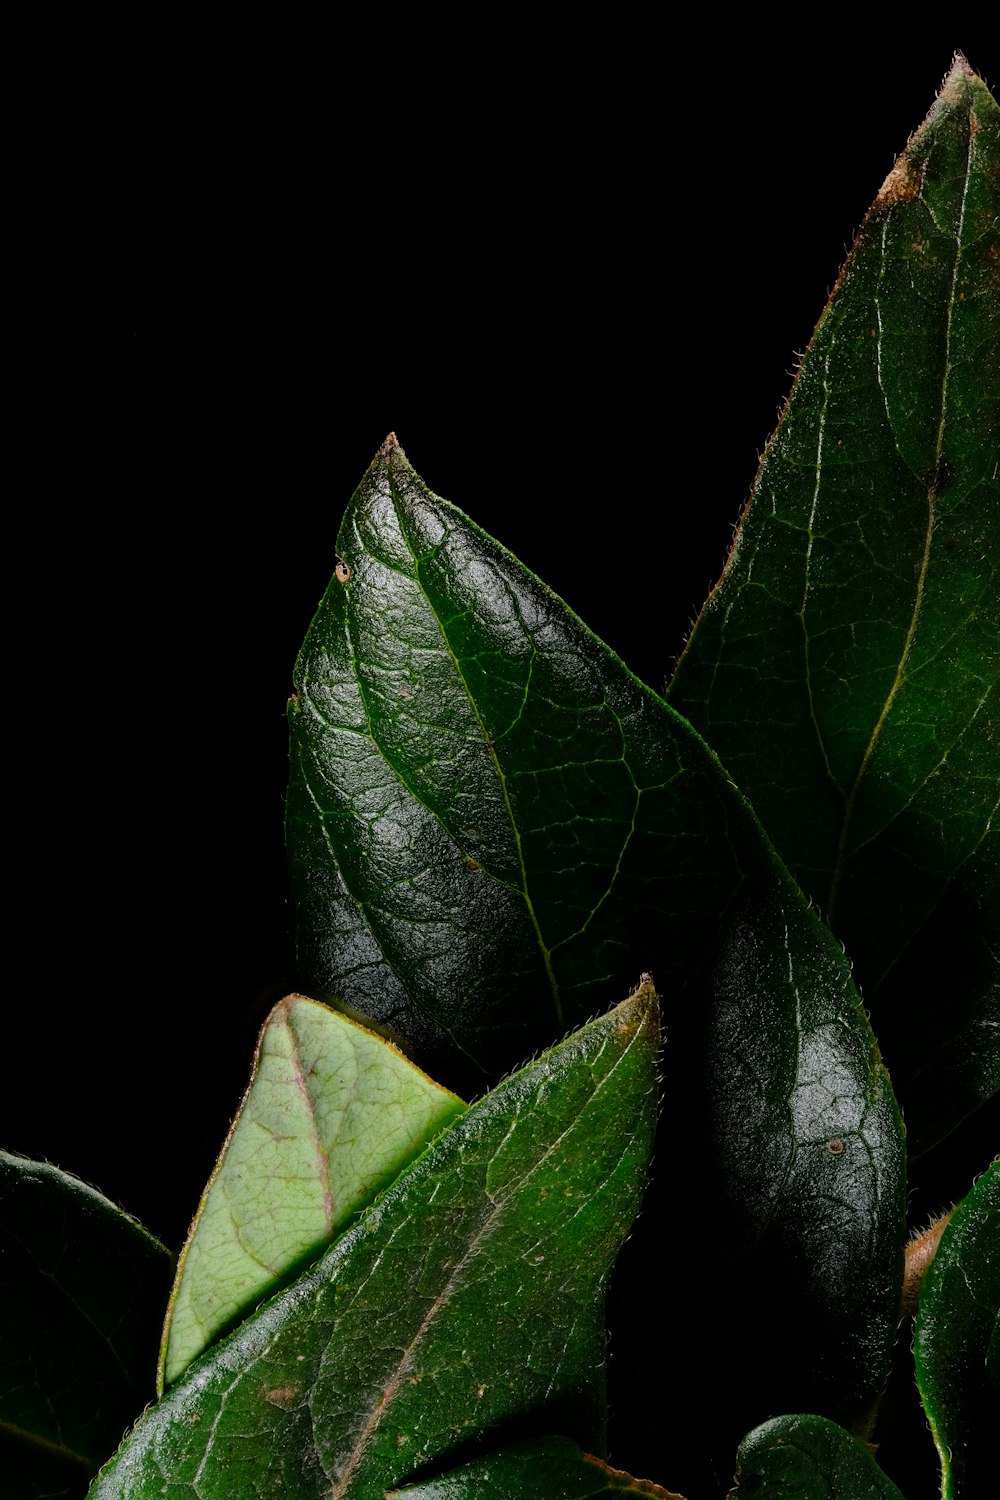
(389, 445)
(957, 92)
(920, 1251)
(960, 69)
(640, 1010)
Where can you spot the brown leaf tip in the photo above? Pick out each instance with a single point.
(956, 75)
(906, 177)
(903, 182)
(391, 442)
(955, 90)
(920, 1251)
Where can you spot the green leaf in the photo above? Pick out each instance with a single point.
(808, 1458)
(82, 1291)
(490, 821)
(548, 1468)
(957, 1342)
(845, 668)
(469, 1298)
(332, 1114)
(482, 802)
(804, 1201)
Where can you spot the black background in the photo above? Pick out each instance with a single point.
(572, 274)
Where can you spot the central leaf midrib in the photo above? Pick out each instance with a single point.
(309, 1106)
(399, 504)
(454, 1279)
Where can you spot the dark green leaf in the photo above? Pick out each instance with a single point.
(808, 1156)
(808, 1458)
(82, 1293)
(491, 821)
(489, 818)
(846, 666)
(469, 1299)
(957, 1343)
(790, 1243)
(548, 1468)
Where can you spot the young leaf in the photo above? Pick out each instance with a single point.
(957, 1342)
(332, 1114)
(548, 1468)
(82, 1291)
(845, 667)
(808, 1458)
(468, 1299)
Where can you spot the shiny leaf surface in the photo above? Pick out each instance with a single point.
(545, 1469)
(808, 1458)
(490, 822)
(447, 696)
(468, 1298)
(805, 1196)
(82, 1292)
(957, 1342)
(332, 1114)
(846, 666)
(792, 1167)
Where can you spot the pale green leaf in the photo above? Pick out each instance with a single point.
(332, 1114)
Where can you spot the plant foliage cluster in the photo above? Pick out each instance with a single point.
(401, 1275)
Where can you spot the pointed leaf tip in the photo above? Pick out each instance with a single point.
(844, 668)
(469, 1297)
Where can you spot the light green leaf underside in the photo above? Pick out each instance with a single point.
(847, 666)
(808, 1458)
(469, 1298)
(332, 1114)
(957, 1342)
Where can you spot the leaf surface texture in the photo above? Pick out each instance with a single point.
(468, 1298)
(333, 1113)
(846, 666)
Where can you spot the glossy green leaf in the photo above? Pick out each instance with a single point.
(808, 1458)
(797, 1194)
(82, 1292)
(332, 1114)
(488, 817)
(491, 821)
(468, 1298)
(548, 1468)
(809, 1147)
(957, 1342)
(846, 666)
